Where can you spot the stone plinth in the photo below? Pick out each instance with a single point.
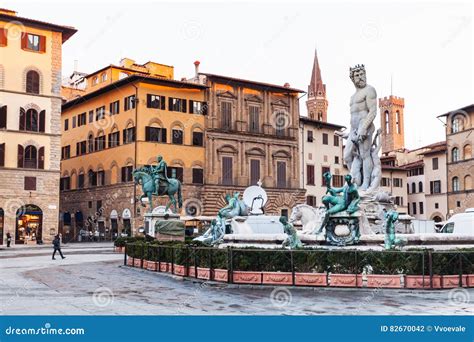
(164, 225)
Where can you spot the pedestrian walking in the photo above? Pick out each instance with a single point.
(9, 239)
(57, 246)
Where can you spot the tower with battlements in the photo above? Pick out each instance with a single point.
(391, 122)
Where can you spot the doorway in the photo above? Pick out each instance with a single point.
(29, 225)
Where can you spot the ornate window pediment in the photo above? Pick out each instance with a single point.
(255, 152)
(253, 98)
(280, 103)
(227, 149)
(281, 154)
(226, 94)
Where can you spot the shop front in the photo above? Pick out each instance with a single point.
(29, 222)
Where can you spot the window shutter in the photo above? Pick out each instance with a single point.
(163, 103)
(42, 118)
(24, 40)
(124, 135)
(184, 109)
(148, 100)
(20, 156)
(124, 173)
(42, 43)
(147, 133)
(170, 103)
(191, 107)
(2, 154)
(111, 108)
(3, 37)
(21, 125)
(3, 117)
(41, 158)
(204, 108)
(163, 135)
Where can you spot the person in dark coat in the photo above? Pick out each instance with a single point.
(9, 239)
(57, 247)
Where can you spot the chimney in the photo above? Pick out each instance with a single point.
(286, 85)
(196, 68)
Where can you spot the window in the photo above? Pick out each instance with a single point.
(114, 139)
(66, 152)
(413, 205)
(100, 113)
(89, 204)
(30, 183)
(30, 157)
(81, 148)
(324, 169)
(387, 122)
(310, 174)
(177, 105)
(155, 134)
(226, 115)
(421, 208)
(458, 204)
(310, 137)
(66, 124)
(336, 160)
(435, 187)
(467, 151)
(2, 154)
(98, 206)
(455, 184)
(325, 139)
(74, 122)
(198, 139)
(127, 173)
(103, 77)
(92, 177)
(336, 140)
(32, 121)
(91, 116)
(175, 172)
(33, 42)
(385, 181)
(420, 187)
(227, 176)
(197, 107)
(311, 200)
(100, 178)
(254, 119)
(254, 171)
(398, 182)
(99, 143)
(397, 122)
(399, 200)
(128, 135)
(32, 82)
(281, 121)
(413, 188)
(3, 116)
(198, 176)
(65, 183)
(95, 81)
(434, 162)
(457, 124)
(455, 154)
(281, 174)
(123, 75)
(3, 37)
(436, 206)
(80, 181)
(129, 103)
(177, 136)
(114, 107)
(90, 143)
(154, 101)
(81, 119)
(338, 181)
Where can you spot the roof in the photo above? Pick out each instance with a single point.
(435, 148)
(67, 31)
(414, 164)
(125, 68)
(131, 79)
(318, 123)
(393, 168)
(274, 87)
(466, 108)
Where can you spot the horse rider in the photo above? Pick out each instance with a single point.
(160, 172)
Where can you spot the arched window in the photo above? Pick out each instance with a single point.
(408, 188)
(31, 157)
(90, 143)
(455, 154)
(31, 120)
(420, 187)
(457, 124)
(413, 188)
(467, 152)
(468, 182)
(455, 183)
(92, 177)
(103, 77)
(32, 82)
(387, 122)
(397, 121)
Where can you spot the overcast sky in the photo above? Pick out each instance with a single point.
(426, 47)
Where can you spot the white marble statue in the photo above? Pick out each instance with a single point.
(311, 218)
(358, 152)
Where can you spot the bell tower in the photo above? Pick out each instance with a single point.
(317, 103)
(392, 124)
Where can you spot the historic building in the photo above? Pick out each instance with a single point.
(392, 123)
(317, 103)
(123, 118)
(30, 133)
(251, 136)
(460, 162)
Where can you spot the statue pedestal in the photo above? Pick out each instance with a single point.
(342, 229)
(164, 225)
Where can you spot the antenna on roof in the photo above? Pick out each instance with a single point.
(391, 84)
(76, 62)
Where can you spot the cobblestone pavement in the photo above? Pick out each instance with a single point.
(92, 281)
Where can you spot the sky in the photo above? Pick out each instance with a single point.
(421, 51)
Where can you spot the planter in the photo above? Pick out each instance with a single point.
(470, 280)
(137, 262)
(311, 279)
(384, 280)
(145, 264)
(277, 278)
(345, 280)
(129, 261)
(417, 282)
(152, 266)
(191, 271)
(179, 270)
(452, 281)
(164, 267)
(245, 277)
(203, 273)
(119, 249)
(221, 275)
